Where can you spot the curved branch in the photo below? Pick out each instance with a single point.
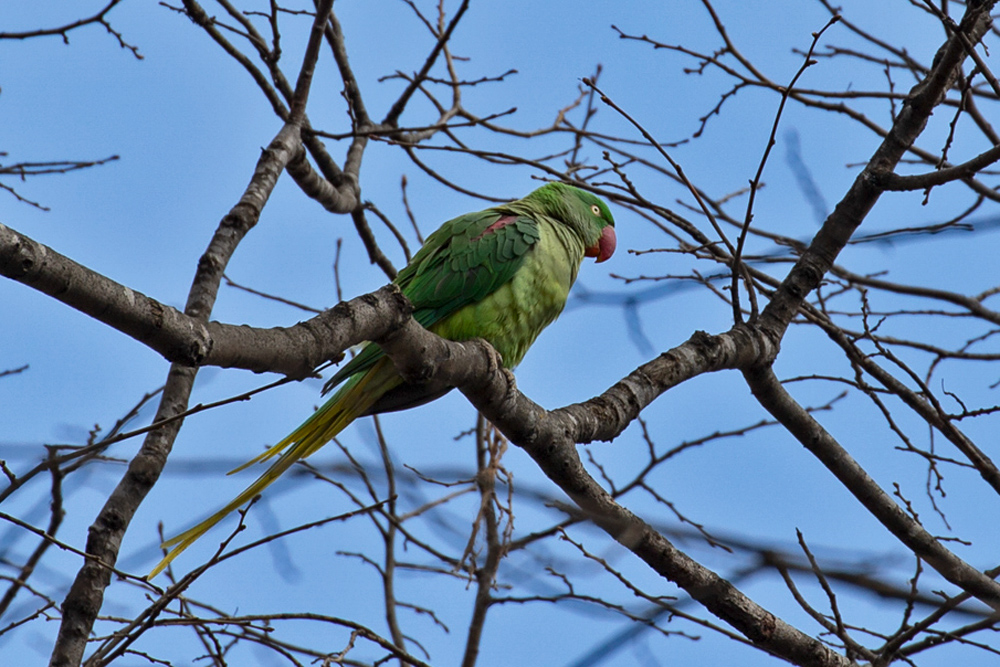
(63, 31)
(336, 199)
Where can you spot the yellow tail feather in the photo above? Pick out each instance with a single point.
(353, 399)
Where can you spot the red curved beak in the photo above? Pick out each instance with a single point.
(605, 246)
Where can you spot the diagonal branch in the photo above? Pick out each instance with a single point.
(772, 395)
(392, 117)
(836, 231)
(86, 595)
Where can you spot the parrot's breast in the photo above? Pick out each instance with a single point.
(512, 316)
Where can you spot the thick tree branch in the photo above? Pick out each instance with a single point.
(297, 350)
(294, 351)
(176, 336)
(551, 437)
(86, 595)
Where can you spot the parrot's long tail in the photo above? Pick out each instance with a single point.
(351, 400)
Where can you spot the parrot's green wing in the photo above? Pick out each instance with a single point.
(463, 262)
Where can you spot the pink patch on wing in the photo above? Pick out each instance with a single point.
(502, 222)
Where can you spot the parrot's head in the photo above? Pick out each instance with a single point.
(584, 212)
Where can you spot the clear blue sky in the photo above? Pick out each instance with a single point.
(188, 125)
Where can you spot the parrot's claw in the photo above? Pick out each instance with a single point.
(494, 359)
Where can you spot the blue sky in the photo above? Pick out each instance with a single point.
(188, 125)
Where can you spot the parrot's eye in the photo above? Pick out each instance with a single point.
(596, 210)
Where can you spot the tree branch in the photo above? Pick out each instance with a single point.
(818, 258)
(86, 595)
(895, 182)
(772, 395)
(550, 438)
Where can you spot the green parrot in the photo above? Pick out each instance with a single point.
(502, 274)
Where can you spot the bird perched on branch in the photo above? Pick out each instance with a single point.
(502, 274)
